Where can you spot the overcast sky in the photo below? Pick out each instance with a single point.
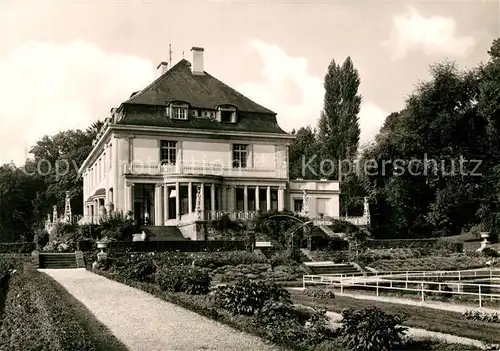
(64, 64)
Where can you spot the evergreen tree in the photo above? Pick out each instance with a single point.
(338, 128)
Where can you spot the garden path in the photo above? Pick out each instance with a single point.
(144, 322)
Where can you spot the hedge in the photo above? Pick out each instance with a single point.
(41, 315)
(422, 244)
(181, 246)
(27, 247)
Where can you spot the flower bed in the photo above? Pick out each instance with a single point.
(265, 310)
(222, 267)
(42, 315)
(454, 262)
(420, 244)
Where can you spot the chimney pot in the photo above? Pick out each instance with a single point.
(162, 67)
(197, 66)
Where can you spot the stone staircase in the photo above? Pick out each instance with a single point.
(164, 233)
(57, 260)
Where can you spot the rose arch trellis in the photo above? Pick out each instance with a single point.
(301, 224)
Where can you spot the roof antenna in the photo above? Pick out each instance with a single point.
(183, 55)
(169, 50)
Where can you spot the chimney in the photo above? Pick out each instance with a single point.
(162, 68)
(197, 65)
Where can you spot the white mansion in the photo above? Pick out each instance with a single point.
(189, 148)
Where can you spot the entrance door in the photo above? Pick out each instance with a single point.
(171, 208)
(144, 204)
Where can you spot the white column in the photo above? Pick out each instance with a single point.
(224, 205)
(177, 200)
(212, 197)
(232, 197)
(281, 198)
(245, 198)
(165, 203)
(268, 200)
(158, 209)
(257, 200)
(190, 197)
(202, 195)
(115, 170)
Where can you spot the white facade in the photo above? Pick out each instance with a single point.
(163, 175)
(124, 162)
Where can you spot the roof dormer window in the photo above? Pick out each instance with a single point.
(178, 111)
(227, 114)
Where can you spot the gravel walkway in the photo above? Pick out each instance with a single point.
(143, 322)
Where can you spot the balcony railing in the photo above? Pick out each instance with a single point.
(359, 221)
(201, 169)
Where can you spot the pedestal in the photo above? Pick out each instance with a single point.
(102, 256)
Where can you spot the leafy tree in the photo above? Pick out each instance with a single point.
(304, 152)
(439, 127)
(17, 191)
(56, 161)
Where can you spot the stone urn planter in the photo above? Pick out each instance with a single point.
(485, 242)
(102, 244)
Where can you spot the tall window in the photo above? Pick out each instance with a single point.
(240, 156)
(179, 112)
(240, 199)
(168, 152)
(298, 205)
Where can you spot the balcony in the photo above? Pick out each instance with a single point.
(141, 168)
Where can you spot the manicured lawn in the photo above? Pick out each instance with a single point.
(418, 317)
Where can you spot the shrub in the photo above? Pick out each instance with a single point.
(118, 227)
(231, 258)
(481, 316)
(190, 280)
(490, 252)
(90, 231)
(282, 322)
(371, 329)
(19, 248)
(247, 297)
(319, 293)
(139, 267)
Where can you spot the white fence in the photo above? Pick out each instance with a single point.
(387, 282)
(479, 273)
